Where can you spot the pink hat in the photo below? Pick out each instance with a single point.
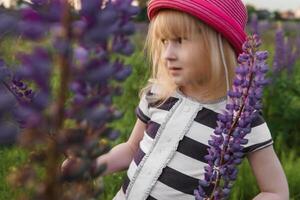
(228, 17)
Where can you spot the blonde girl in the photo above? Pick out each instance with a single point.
(192, 46)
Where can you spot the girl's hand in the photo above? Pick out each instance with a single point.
(76, 168)
(66, 165)
(73, 168)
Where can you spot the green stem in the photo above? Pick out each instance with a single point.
(53, 186)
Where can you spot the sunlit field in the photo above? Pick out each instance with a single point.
(281, 107)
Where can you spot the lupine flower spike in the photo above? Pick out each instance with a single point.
(226, 144)
(75, 68)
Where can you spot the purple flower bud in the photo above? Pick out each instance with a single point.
(128, 49)
(241, 71)
(32, 26)
(243, 141)
(203, 183)
(81, 55)
(238, 154)
(262, 55)
(6, 102)
(78, 28)
(123, 74)
(100, 75)
(218, 131)
(264, 68)
(226, 191)
(133, 10)
(39, 2)
(108, 16)
(258, 106)
(208, 158)
(8, 133)
(8, 24)
(238, 161)
(79, 99)
(97, 115)
(128, 28)
(30, 15)
(41, 100)
(243, 57)
(222, 117)
(29, 94)
(237, 82)
(226, 157)
(89, 7)
(54, 12)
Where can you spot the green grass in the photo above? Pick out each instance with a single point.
(10, 159)
(112, 185)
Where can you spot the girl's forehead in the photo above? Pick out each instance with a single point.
(173, 24)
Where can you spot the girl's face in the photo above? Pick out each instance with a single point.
(186, 60)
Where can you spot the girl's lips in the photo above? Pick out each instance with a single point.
(174, 70)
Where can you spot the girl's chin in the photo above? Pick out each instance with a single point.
(179, 83)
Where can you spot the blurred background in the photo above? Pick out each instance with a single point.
(278, 24)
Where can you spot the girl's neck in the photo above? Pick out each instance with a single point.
(204, 94)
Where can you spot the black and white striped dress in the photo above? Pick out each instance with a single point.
(170, 159)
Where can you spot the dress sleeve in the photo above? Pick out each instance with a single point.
(142, 110)
(259, 137)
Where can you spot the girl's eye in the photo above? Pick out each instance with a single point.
(163, 41)
(179, 40)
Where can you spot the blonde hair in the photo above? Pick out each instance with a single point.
(172, 24)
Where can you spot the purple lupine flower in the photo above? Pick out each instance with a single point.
(79, 102)
(287, 51)
(290, 57)
(254, 24)
(293, 53)
(81, 56)
(297, 52)
(21, 90)
(226, 145)
(8, 25)
(31, 27)
(279, 51)
(16, 88)
(9, 130)
(264, 25)
(39, 2)
(5, 73)
(92, 77)
(36, 66)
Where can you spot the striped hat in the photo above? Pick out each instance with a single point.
(228, 17)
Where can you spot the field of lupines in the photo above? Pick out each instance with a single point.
(281, 103)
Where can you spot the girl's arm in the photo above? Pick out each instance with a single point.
(269, 175)
(119, 157)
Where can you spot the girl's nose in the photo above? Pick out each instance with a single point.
(169, 52)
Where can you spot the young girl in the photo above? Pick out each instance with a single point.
(193, 46)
